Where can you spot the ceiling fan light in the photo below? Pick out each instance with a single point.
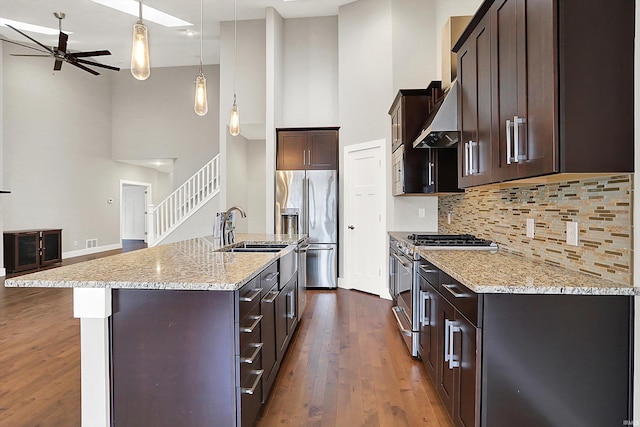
(234, 121)
(140, 68)
(201, 106)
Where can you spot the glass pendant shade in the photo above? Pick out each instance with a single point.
(201, 107)
(234, 122)
(140, 68)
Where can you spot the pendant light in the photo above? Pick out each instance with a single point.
(234, 122)
(200, 105)
(140, 68)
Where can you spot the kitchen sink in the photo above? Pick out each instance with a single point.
(254, 247)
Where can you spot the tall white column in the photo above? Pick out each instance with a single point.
(93, 308)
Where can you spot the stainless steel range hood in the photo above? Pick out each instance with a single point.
(441, 126)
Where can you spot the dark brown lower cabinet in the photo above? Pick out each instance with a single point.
(500, 360)
(32, 249)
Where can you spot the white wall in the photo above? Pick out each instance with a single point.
(154, 119)
(414, 44)
(2, 187)
(57, 152)
(311, 72)
(256, 205)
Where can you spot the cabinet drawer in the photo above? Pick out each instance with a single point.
(249, 296)
(250, 392)
(462, 298)
(249, 325)
(270, 276)
(430, 272)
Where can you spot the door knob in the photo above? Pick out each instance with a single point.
(351, 227)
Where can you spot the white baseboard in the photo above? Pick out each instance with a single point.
(3, 272)
(89, 251)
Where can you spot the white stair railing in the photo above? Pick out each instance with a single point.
(184, 202)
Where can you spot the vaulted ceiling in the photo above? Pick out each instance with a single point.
(95, 26)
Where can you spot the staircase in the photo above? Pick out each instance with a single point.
(184, 202)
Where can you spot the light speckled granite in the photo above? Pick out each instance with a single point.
(187, 265)
(508, 272)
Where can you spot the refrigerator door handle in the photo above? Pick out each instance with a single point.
(320, 249)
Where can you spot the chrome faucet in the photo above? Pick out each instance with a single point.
(227, 235)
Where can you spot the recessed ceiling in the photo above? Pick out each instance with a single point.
(95, 26)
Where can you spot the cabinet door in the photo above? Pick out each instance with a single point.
(281, 323)
(291, 150)
(466, 350)
(51, 247)
(269, 348)
(475, 152)
(445, 371)
(322, 150)
(27, 251)
(292, 312)
(507, 32)
(428, 341)
(396, 127)
(397, 172)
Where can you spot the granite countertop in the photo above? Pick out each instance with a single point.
(187, 265)
(509, 272)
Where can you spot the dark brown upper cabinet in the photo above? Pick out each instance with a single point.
(307, 149)
(418, 171)
(561, 97)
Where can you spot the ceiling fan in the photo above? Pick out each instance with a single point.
(60, 53)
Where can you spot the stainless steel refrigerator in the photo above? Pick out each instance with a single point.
(307, 203)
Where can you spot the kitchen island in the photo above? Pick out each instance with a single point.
(510, 340)
(173, 335)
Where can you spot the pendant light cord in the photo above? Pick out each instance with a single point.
(235, 47)
(201, 31)
(140, 11)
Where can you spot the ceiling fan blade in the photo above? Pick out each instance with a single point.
(24, 45)
(91, 53)
(47, 48)
(96, 64)
(38, 56)
(82, 67)
(58, 65)
(62, 42)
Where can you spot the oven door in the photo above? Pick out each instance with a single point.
(403, 311)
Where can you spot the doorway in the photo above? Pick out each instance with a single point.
(135, 197)
(365, 216)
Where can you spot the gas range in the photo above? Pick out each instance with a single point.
(451, 242)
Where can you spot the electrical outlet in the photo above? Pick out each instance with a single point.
(421, 213)
(531, 227)
(572, 233)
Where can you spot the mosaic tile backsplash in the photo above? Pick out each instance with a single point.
(601, 206)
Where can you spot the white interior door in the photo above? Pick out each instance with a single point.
(365, 237)
(134, 207)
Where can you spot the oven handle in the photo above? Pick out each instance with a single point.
(401, 261)
(404, 330)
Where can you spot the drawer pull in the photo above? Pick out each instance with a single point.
(256, 292)
(425, 270)
(451, 290)
(272, 299)
(255, 323)
(252, 358)
(271, 276)
(258, 373)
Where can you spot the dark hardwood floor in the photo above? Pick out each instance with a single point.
(347, 365)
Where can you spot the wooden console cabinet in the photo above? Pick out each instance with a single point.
(32, 249)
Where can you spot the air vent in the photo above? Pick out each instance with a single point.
(92, 243)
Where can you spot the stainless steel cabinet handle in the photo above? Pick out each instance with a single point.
(271, 276)
(272, 299)
(447, 324)
(453, 363)
(430, 173)
(258, 373)
(466, 158)
(423, 268)
(304, 157)
(451, 289)
(424, 317)
(401, 261)
(256, 322)
(508, 142)
(517, 121)
(257, 346)
(256, 292)
(292, 308)
(472, 166)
